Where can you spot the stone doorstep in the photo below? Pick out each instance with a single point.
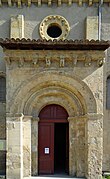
(52, 177)
(2, 176)
(106, 173)
(40, 177)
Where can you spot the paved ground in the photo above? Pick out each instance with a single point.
(52, 177)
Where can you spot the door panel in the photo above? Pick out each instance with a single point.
(67, 148)
(49, 116)
(46, 148)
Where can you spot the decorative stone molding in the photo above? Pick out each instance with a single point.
(35, 119)
(28, 3)
(48, 62)
(55, 58)
(77, 117)
(57, 21)
(93, 116)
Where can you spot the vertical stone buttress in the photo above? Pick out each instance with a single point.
(77, 146)
(14, 130)
(92, 27)
(35, 146)
(94, 146)
(27, 146)
(17, 27)
(18, 147)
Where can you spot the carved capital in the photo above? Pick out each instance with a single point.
(36, 119)
(94, 116)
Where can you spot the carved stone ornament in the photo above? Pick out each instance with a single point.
(57, 24)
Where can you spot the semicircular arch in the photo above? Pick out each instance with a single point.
(71, 88)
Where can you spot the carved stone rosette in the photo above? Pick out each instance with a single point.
(58, 21)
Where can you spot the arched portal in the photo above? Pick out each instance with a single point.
(53, 140)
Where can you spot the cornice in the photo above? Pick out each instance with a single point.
(20, 3)
(39, 44)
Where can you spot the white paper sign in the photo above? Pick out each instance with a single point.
(46, 150)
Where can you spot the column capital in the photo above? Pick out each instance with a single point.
(36, 119)
(72, 118)
(14, 117)
(26, 118)
(94, 116)
(11, 115)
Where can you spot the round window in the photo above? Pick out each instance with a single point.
(54, 31)
(54, 27)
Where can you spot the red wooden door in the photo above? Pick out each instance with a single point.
(46, 148)
(49, 115)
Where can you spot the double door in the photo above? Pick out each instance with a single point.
(53, 148)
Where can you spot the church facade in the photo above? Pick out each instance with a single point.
(54, 92)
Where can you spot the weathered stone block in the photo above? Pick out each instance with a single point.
(17, 27)
(92, 27)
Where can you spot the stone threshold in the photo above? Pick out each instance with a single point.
(2, 177)
(46, 177)
(52, 177)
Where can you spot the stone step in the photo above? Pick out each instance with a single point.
(52, 177)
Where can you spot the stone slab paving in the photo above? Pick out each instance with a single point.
(52, 177)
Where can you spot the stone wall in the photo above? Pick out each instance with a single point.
(76, 17)
(2, 138)
(40, 79)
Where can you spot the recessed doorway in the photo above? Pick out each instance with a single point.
(53, 140)
(61, 148)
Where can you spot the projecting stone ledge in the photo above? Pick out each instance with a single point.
(39, 44)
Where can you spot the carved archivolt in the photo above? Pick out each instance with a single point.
(54, 21)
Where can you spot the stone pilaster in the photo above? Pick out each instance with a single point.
(27, 146)
(92, 27)
(35, 146)
(14, 163)
(80, 144)
(72, 146)
(17, 27)
(77, 146)
(94, 146)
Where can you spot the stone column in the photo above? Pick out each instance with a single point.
(80, 144)
(35, 146)
(14, 132)
(94, 146)
(72, 146)
(27, 146)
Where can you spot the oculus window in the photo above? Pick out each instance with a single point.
(54, 27)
